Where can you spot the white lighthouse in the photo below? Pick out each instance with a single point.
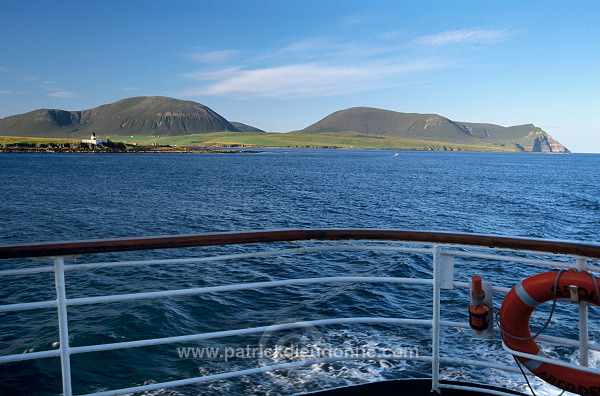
(94, 140)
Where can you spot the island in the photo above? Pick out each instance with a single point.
(160, 123)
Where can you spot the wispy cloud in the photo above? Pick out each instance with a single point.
(287, 81)
(40, 85)
(391, 35)
(212, 56)
(324, 66)
(211, 75)
(463, 36)
(50, 88)
(55, 92)
(326, 49)
(62, 94)
(309, 80)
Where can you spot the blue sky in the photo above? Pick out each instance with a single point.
(283, 65)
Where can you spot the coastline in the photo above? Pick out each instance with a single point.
(128, 149)
(193, 144)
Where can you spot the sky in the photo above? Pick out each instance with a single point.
(284, 65)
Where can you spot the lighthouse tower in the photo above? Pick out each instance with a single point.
(94, 140)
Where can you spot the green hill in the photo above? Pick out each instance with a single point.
(139, 116)
(161, 120)
(434, 127)
(244, 127)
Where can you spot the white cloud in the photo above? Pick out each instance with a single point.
(325, 66)
(323, 49)
(463, 36)
(310, 79)
(212, 74)
(287, 81)
(63, 94)
(47, 85)
(310, 47)
(50, 87)
(212, 56)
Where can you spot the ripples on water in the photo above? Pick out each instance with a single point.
(65, 197)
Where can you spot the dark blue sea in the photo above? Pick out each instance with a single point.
(48, 197)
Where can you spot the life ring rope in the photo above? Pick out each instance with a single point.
(532, 302)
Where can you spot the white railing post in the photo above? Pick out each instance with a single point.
(63, 327)
(435, 328)
(582, 310)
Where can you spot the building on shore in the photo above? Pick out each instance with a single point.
(94, 140)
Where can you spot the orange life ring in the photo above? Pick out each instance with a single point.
(516, 310)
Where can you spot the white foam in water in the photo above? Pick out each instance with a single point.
(328, 375)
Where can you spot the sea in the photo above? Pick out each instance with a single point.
(59, 197)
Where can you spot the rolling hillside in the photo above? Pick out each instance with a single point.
(434, 127)
(139, 116)
(161, 120)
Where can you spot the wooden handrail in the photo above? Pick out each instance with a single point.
(68, 248)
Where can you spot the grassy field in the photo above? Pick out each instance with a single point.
(35, 142)
(347, 140)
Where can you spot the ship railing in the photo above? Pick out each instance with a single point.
(444, 247)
